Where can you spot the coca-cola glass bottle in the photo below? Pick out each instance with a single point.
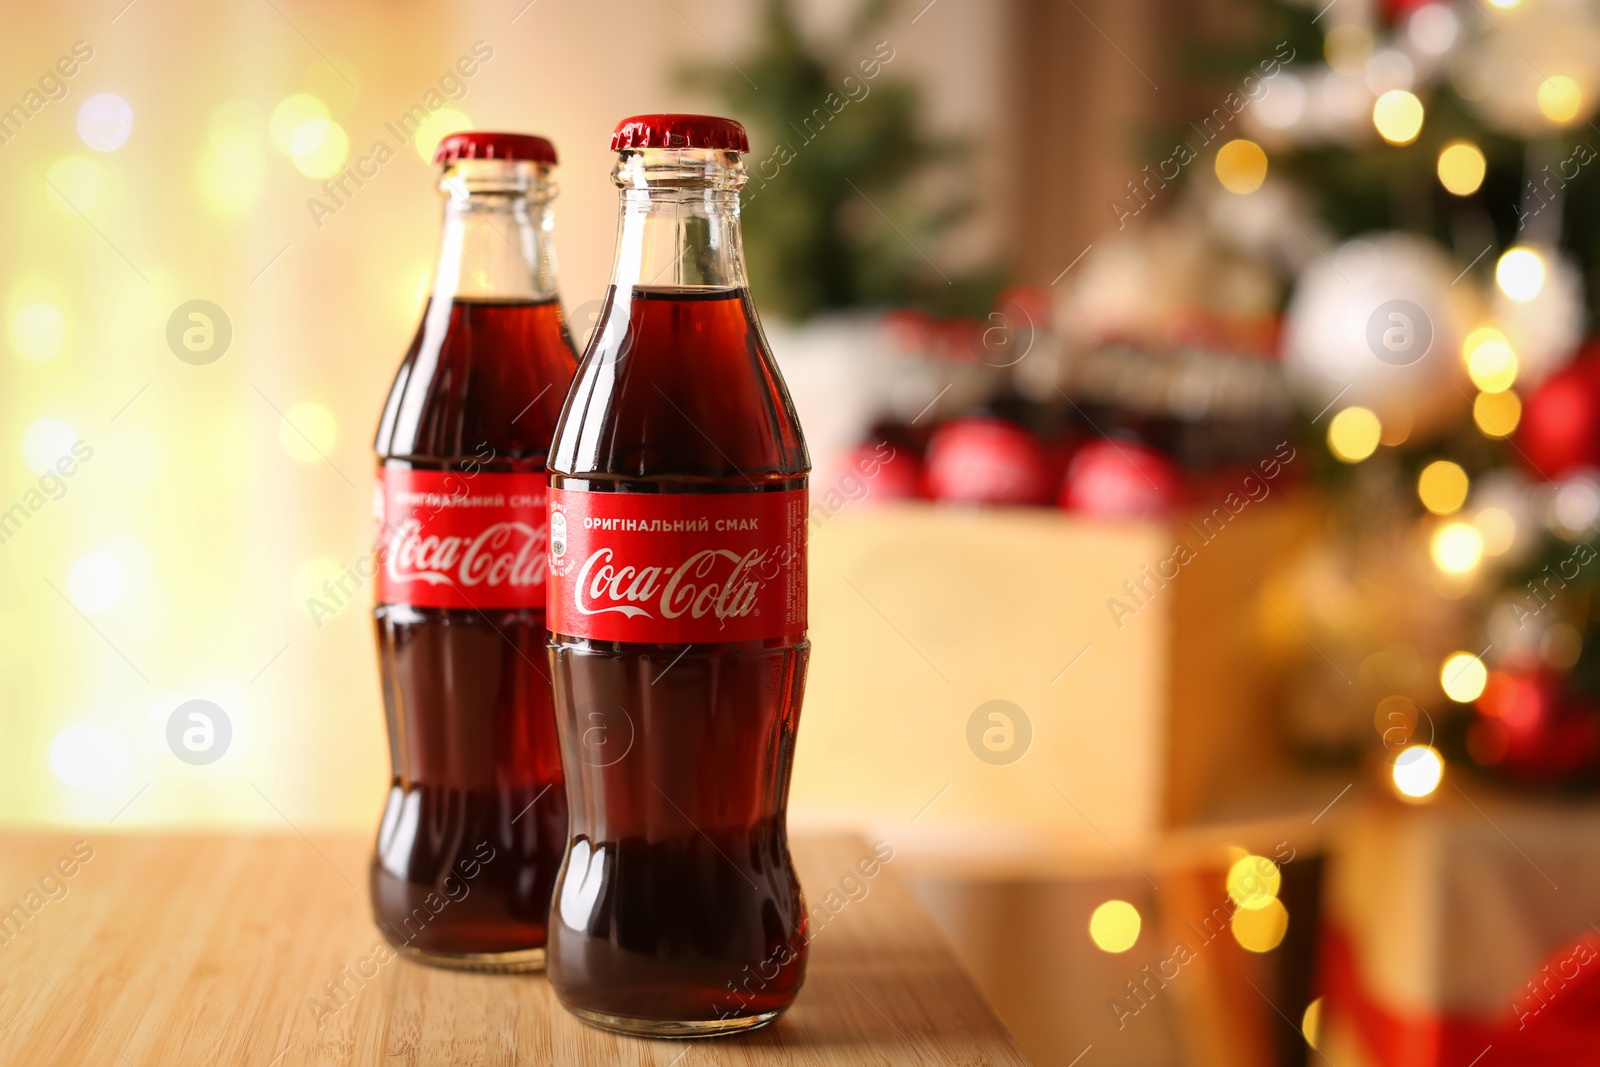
(476, 819)
(678, 617)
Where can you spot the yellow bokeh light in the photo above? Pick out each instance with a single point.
(1347, 47)
(1560, 99)
(75, 184)
(1498, 528)
(436, 127)
(1114, 926)
(1505, 3)
(1417, 771)
(1253, 881)
(230, 181)
(1457, 548)
(1311, 1022)
(320, 148)
(1497, 414)
(46, 442)
(1353, 434)
(1443, 485)
(37, 331)
(1461, 167)
(307, 432)
(292, 113)
(1492, 366)
(1398, 116)
(1261, 929)
(1463, 677)
(235, 128)
(1520, 274)
(1241, 166)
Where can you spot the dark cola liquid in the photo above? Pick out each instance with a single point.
(678, 910)
(473, 832)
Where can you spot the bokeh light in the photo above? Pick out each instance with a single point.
(45, 441)
(1353, 434)
(231, 181)
(1457, 548)
(37, 331)
(1261, 929)
(1311, 1022)
(1241, 166)
(1498, 529)
(1417, 771)
(436, 127)
(1461, 167)
(1497, 414)
(1253, 881)
(1443, 486)
(1492, 366)
(319, 148)
(1347, 47)
(307, 431)
(291, 113)
(96, 582)
(1560, 99)
(105, 121)
(1398, 116)
(1462, 677)
(1520, 274)
(87, 757)
(1114, 926)
(74, 184)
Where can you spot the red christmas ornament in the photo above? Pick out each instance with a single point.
(1120, 479)
(1531, 728)
(986, 461)
(1560, 428)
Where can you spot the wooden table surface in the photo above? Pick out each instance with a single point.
(175, 950)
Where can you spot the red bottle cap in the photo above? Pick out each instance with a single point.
(679, 131)
(481, 144)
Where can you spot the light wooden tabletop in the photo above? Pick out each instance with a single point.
(168, 950)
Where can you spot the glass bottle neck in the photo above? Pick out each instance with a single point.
(497, 233)
(679, 227)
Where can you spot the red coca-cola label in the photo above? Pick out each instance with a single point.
(460, 539)
(677, 568)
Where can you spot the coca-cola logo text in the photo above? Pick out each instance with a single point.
(503, 553)
(714, 581)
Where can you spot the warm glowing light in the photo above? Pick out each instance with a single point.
(319, 579)
(1261, 929)
(1497, 414)
(1311, 1022)
(1492, 366)
(231, 181)
(74, 184)
(104, 122)
(45, 442)
(307, 432)
(1347, 47)
(436, 127)
(319, 147)
(1505, 3)
(1498, 528)
(1241, 166)
(292, 113)
(85, 757)
(37, 331)
(1114, 926)
(236, 128)
(1560, 98)
(1461, 167)
(1443, 485)
(1520, 273)
(1353, 434)
(1253, 881)
(1462, 677)
(96, 582)
(1417, 771)
(1398, 116)
(1457, 548)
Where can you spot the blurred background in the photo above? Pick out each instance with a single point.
(1207, 472)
